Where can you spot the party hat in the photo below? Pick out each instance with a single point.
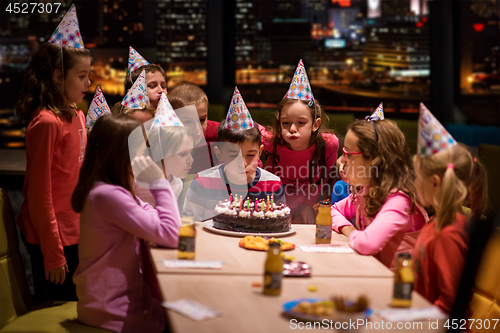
(67, 32)
(300, 87)
(135, 60)
(97, 108)
(378, 114)
(165, 115)
(238, 117)
(137, 97)
(432, 136)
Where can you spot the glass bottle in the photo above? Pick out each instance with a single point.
(403, 281)
(273, 270)
(324, 223)
(187, 238)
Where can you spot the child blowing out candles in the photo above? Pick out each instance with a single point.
(387, 216)
(300, 150)
(56, 79)
(447, 176)
(109, 280)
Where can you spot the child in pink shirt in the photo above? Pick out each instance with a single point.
(110, 283)
(56, 79)
(378, 166)
(444, 181)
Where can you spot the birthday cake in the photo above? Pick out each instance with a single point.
(252, 216)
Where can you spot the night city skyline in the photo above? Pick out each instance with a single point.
(356, 52)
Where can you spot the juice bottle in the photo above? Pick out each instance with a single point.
(403, 281)
(273, 270)
(187, 238)
(324, 223)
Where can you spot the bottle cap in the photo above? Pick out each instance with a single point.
(187, 218)
(404, 255)
(274, 244)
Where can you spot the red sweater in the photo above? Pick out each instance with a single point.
(438, 261)
(202, 155)
(54, 151)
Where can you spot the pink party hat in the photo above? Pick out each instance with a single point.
(379, 112)
(300, 87)
(67, 32)
(135, 60)
(238, 117)
(97, 108)
(432, 136)
(137, 97)
(165, 115)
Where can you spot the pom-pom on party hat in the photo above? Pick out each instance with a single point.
(135, 60)
(165, 115)
(97, 108)
(300, 87)
(137, 97)
(432, 136)
(67, 32)
(378, 114)
(238, 117)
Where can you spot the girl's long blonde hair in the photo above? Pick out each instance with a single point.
(463, 184)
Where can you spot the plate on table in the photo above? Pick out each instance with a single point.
(209, 225)
(260, 243)
(288, 308)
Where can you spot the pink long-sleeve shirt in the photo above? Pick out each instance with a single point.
(55, 149)
(109, 281)
(393, 230)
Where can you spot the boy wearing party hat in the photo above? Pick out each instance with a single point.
(154, 75)
(239, 147)
(447, 178)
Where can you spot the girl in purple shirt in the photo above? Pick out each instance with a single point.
(110, 283)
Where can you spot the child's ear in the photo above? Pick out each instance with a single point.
(57, 76)
(260, 150)
(218, 153)
(316, 124)
(436, 181)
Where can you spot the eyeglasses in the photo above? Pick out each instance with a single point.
(347, 154)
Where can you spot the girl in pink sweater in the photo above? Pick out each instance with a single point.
(110, 283)
(378, 165)
(56, 79)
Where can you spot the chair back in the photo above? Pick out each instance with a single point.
(485, 302)
(15, 297)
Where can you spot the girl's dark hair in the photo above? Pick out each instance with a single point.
(318, 161)
(391, 160)
(40, 89)
(224, 135)
(107, 157)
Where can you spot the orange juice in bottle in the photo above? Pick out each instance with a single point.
(403, 281)
(324, 223)
(273, 270)
(187, 238)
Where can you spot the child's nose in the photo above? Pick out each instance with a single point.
(293, 128)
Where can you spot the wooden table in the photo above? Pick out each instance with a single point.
(12, 161)
(239, 261)
(246, 309)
